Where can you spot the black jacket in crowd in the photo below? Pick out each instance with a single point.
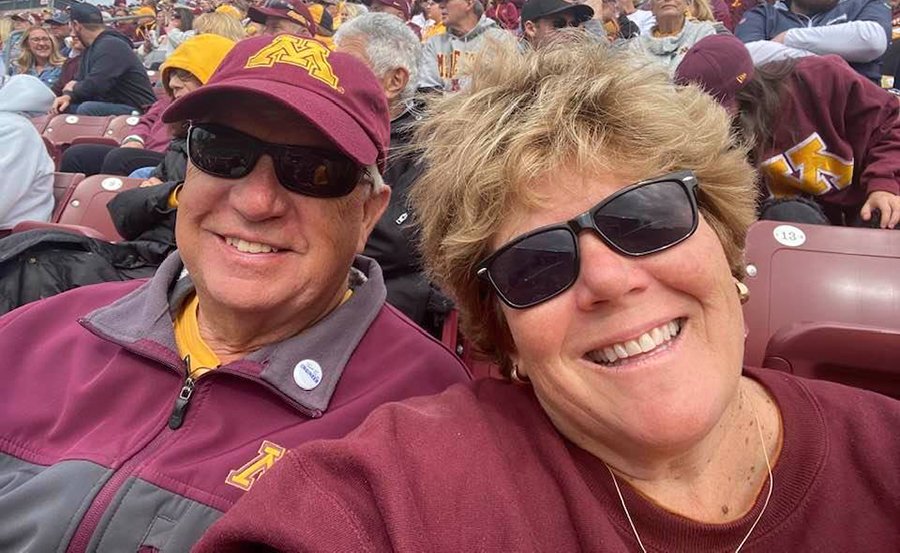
(110, 71)
(40, 263)
(173, 167)
(392, 242)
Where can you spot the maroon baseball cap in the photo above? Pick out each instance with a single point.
(401, 5)
(292, 10)
(721, 65)
(335, 92)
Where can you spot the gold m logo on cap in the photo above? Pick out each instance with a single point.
(306, 54)
(741, 78)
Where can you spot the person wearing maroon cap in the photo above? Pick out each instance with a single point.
(400, 8)
(825, 138)
(284, 16)
(134, 414)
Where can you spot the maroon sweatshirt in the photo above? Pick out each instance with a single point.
(837, 136)
(481, 468)
(151, 128)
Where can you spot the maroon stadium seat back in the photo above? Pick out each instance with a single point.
(52, 150)
(856, 355)
(818, 274)
(86, 206)
(121, 126)
(40, 122)
(63, 129)
(63, 185)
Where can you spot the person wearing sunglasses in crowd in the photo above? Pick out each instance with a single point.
(594, 248)
(448, 56)
(134, 414)
(541, 19)
(284, 16)
(673, 34)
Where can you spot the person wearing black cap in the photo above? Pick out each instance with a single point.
(111, 79)
(542, 18)
(58, 25)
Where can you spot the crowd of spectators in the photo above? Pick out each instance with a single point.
(320, 181)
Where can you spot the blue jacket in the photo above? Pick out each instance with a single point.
(766, 21)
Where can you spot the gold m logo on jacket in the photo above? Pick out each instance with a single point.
(807, 167)
(247, 475)
(306, 54)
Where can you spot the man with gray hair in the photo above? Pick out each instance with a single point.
(387, 45)
(447, 55)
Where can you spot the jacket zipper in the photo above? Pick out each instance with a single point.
(100, 504)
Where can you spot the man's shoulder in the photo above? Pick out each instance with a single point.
(409, 344)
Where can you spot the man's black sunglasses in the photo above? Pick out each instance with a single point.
(230, 154)
(644, 218)
(562, 23)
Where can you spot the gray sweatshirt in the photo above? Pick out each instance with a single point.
(446, 56)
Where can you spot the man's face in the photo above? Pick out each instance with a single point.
(280, 25)
(20, 25)
(455, 12)
(378, 7)
(253, 246)
(539, 31)
(60, 32)
(77, 31)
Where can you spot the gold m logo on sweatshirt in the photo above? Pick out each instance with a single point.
(807, 167)
(299, 52)
(247, 475)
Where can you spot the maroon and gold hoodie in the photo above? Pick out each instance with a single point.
(837, 136)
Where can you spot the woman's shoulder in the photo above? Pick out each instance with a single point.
(843, 415)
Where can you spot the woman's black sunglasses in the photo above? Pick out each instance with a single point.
(644, 218)
(230, 154)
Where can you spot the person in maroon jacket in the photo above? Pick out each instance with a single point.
(594, 248)
(820, 132)
(134, 414)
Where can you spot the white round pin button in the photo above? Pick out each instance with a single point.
(789, 235)
(307, 374)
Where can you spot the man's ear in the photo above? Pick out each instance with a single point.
(528, 29)
(373, 208)
(394, 82)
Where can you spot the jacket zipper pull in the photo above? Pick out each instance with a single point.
(176, 419)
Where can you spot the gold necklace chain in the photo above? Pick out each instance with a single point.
(755, 522)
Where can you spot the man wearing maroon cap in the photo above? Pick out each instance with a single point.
(400, 8)
(134, 414)
(284, 16)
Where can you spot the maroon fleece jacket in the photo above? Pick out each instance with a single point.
(481, 468)
(837, 136)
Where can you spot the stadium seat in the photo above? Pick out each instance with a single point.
(811, 282)
(40, 122)
(86, 205)
(52, 150)
(63, 185)
(65, 128)
(856, 355)
(121, 126)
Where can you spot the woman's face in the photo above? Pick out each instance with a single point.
(40, 44)
(669, 397)
(668, 8)
(180, 85)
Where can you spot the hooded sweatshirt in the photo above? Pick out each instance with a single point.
(199, 55)
(447, 55)
(111, 72)
(26, 170)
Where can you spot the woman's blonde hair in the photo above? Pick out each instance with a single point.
(219, 24)
(701, 10)
(27, 59)
(6, 27)
(571, 104)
